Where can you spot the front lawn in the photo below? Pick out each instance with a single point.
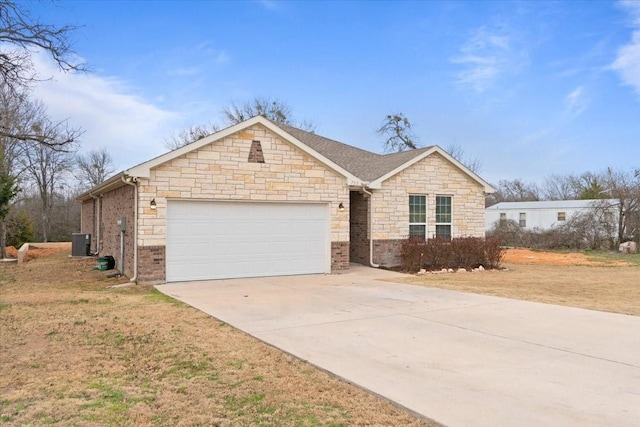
(75, 352)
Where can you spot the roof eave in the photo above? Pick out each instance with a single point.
(111, 183)
(143, 170)
(377, 183)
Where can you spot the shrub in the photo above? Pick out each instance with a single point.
(412, 253)
(583, 231)
(493, 253)
(464, 252)
(19, 229)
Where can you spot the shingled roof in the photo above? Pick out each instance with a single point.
(364, 164)
(360, 167)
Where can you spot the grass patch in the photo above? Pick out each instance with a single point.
(152, 360)
(612, 257)
(157, 296)
(603, 284)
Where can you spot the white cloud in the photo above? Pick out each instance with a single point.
(131, 127)
(185, 71)
(207, 48)
(268, 4)
(576, 102)
(485, 56)
(627, 62)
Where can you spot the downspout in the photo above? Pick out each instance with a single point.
(370, 215)
(96, 221)
(132, 181)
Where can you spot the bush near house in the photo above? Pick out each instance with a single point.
(463, 252)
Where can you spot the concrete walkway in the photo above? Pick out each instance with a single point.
(459, 359)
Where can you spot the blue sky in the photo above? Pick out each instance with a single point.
(528, 88)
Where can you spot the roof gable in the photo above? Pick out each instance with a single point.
(370, 167)
(144, 169)
(358, 166)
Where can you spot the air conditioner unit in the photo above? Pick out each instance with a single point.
(80, 244)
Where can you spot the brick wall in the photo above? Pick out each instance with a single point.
(387, 252)
(116, 204)
(88, 221)
(222, 171)
(339, 256)
(359, 224)
(152, 265)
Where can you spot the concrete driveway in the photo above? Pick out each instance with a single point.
(459, 359)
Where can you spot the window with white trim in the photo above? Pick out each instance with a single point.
(418, 216)
(562, 216)
(444, 214)
(523, 219)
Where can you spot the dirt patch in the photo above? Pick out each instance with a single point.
(601, 281)
(75, 351)
(36, 252)
(527, 256)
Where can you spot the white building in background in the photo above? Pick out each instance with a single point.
(548, 213)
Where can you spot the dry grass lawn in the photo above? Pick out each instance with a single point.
(75, 352)
(604, 282)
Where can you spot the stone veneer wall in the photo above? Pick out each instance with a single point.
(359, 226)
(222, 171)
(432, 176)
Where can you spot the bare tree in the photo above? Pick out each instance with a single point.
(94, 167)
(456, 151)
(16, 114)
(273, 109)
(398, 134)
(20, 36)
(516, 191)
(8, 190)
(47, 168)
(625, 187)
(187, 136)
(560, 187)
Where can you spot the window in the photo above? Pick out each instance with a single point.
(503, 218)
(562, 216)
(523, 219)
(443, 217)
(418, 216)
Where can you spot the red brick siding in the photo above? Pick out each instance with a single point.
(88, 221)
(151, 264)
(358, 225)
(114, 205)
(339, 256)
(387, 252)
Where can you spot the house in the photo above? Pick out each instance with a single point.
(261, 198)
(546, 214)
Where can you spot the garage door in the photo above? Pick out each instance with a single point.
(221, 240)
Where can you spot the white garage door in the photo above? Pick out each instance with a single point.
(221, 240)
